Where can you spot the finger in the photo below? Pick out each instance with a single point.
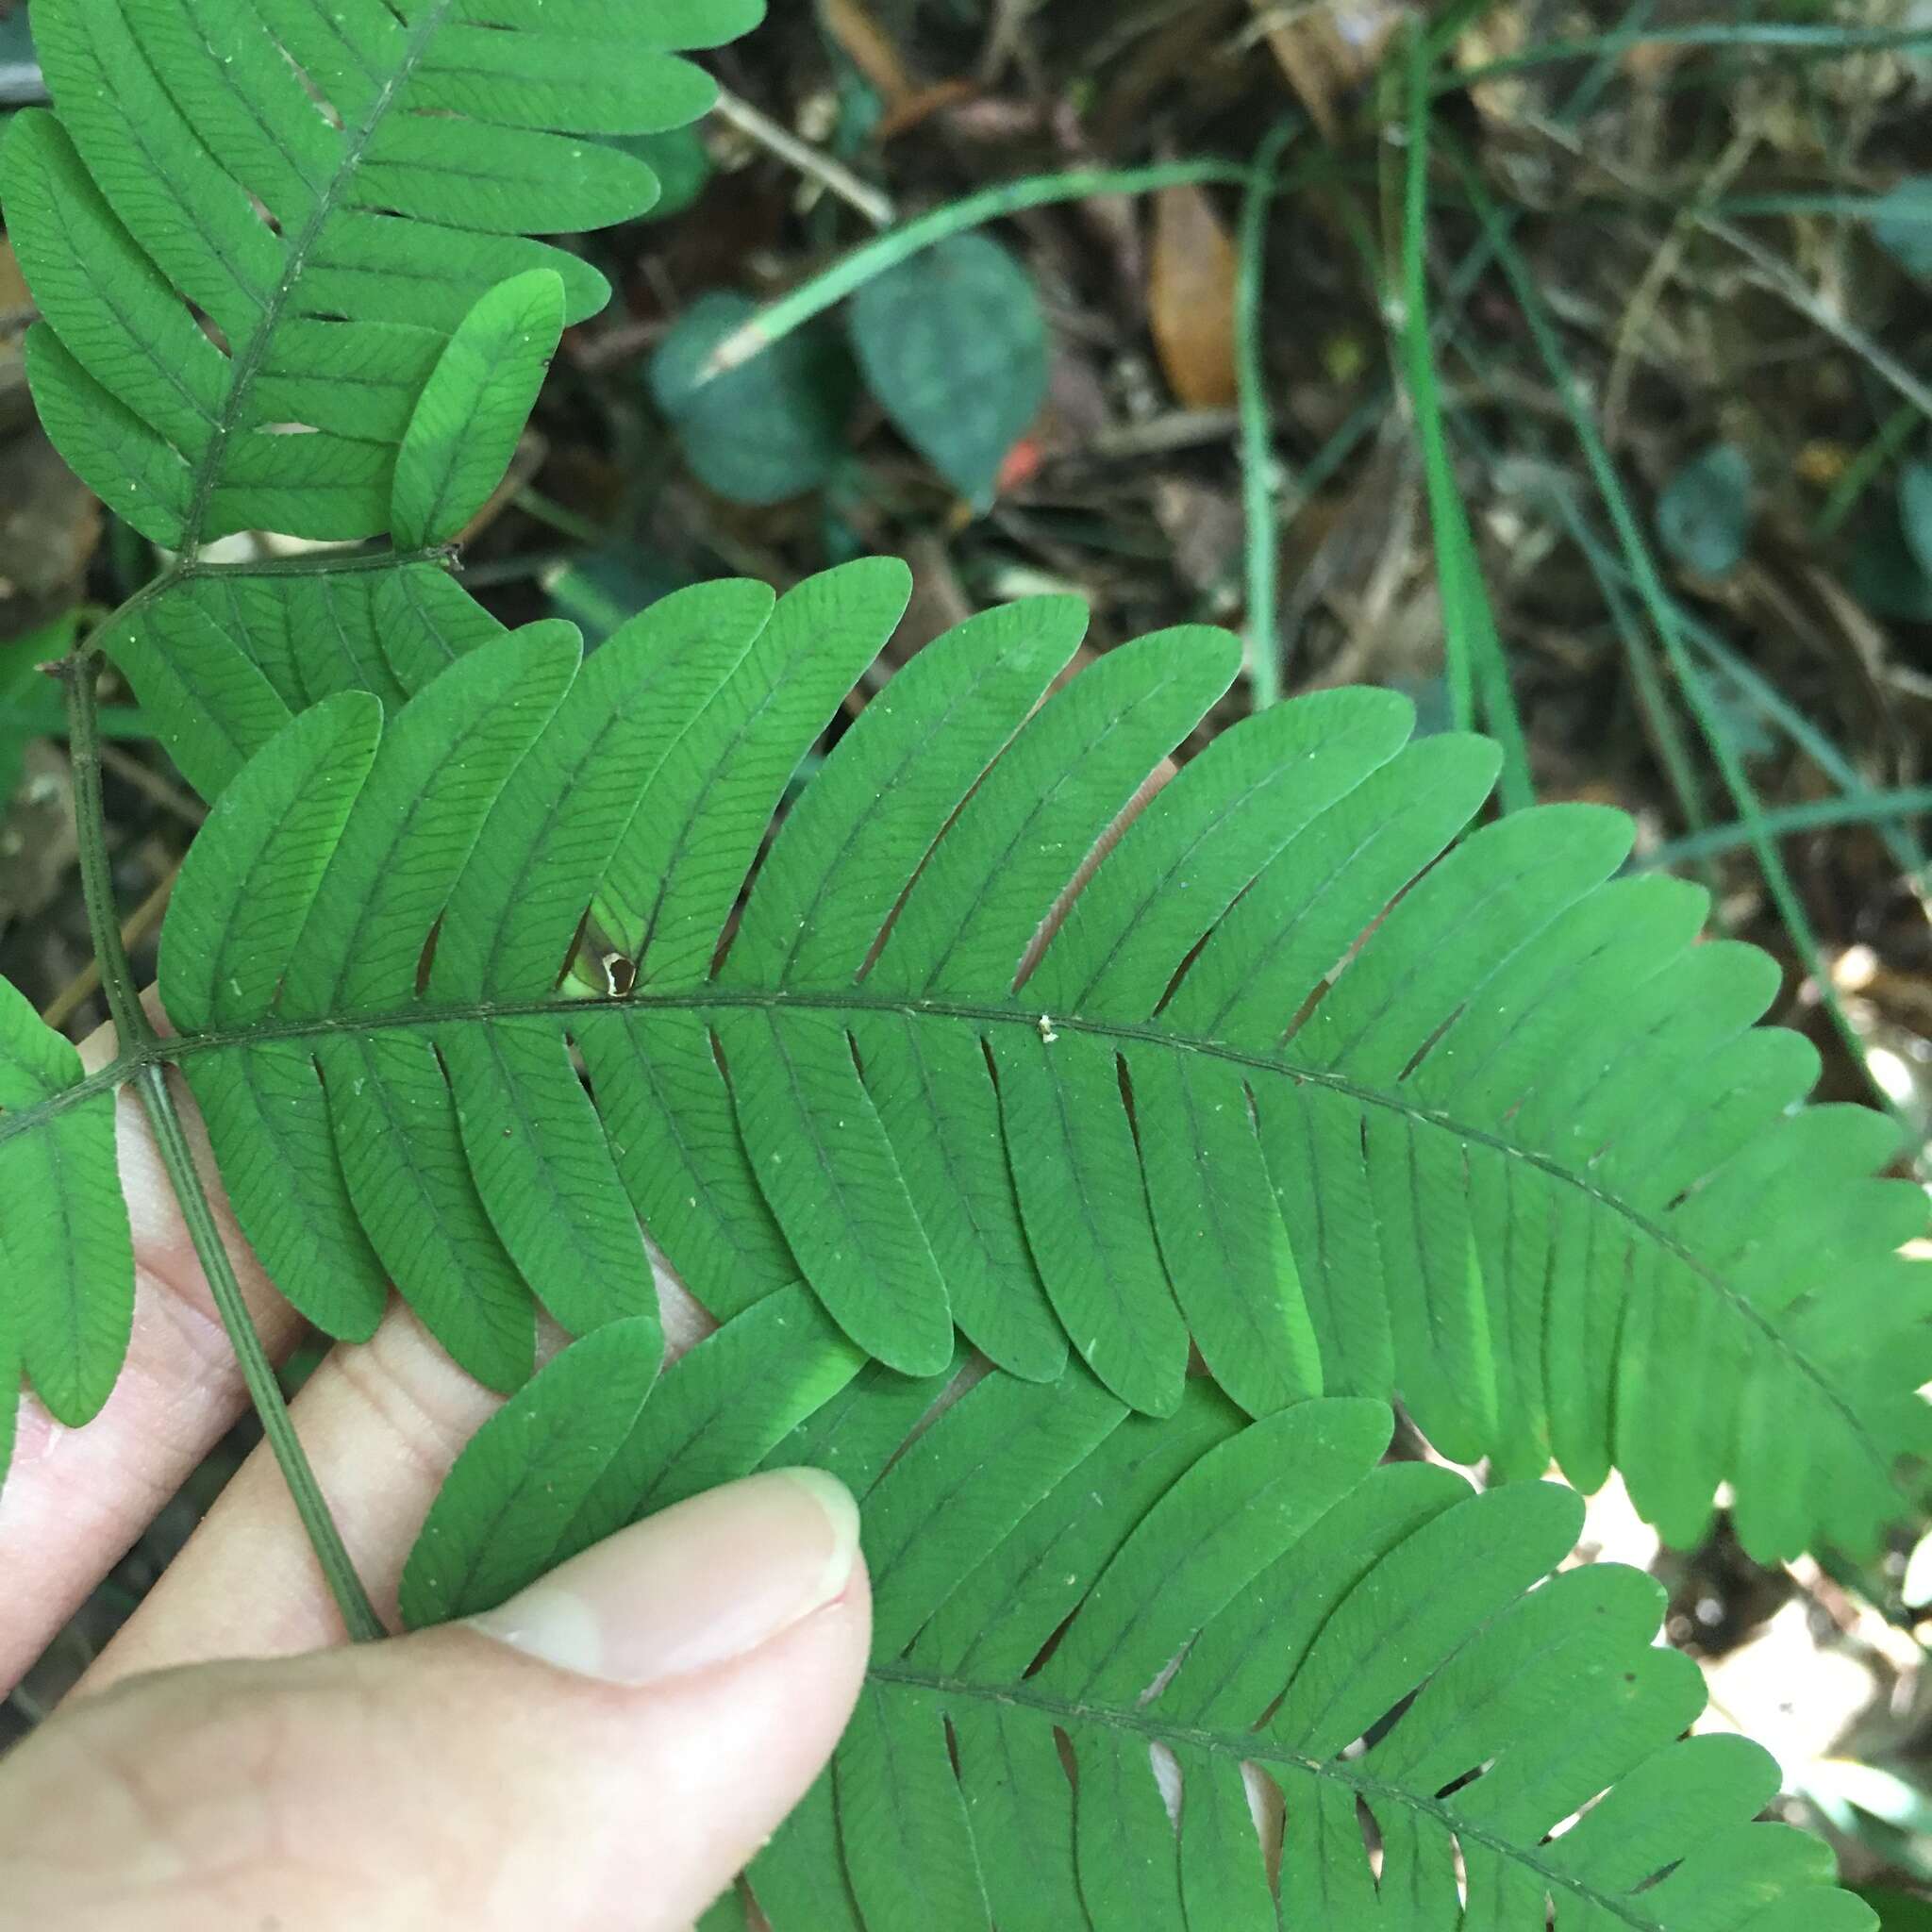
(381, 1424)
(605, 1752)
(75, 1500)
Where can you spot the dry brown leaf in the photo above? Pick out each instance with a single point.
(1191, 298)
(920, 107)
(1327, 51)
(872, 49)
(1496, 37)
(1307, 74)
(16, 305)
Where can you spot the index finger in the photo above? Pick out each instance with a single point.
(382, 1422)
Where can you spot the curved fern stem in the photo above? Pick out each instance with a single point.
(137, 1034)
(357, 1613)
(778, 319)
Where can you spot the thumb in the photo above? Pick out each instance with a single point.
(605, 1750)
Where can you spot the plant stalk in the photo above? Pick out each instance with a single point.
(135, 1032)
(1477, 666)
(1260, 468)
(778, 319)
(357, 1613)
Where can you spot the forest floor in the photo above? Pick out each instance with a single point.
(1655, 311)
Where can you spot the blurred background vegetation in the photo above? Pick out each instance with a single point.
(1568, 367)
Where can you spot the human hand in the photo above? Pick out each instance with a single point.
(605, 1751)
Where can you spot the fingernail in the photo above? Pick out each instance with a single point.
(697, 1585)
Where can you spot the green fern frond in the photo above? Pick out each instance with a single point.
(1522, 1160)
(400, 155)
(1165, 1672)
(257, 230)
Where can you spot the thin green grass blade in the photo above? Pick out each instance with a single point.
(779, 319)
(1874, 809)
(1478, 668)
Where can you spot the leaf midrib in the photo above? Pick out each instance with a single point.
(295, 260)
(1253, 1747)
(427, 1016)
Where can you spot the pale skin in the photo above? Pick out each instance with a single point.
(605, 1758)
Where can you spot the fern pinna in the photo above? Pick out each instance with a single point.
(1525, 1162)
(1137, 1674)
(208, 371)
(490, 974)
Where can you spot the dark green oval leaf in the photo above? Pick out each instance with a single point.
(1703, 515)
(772, 427)
(955, 345)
